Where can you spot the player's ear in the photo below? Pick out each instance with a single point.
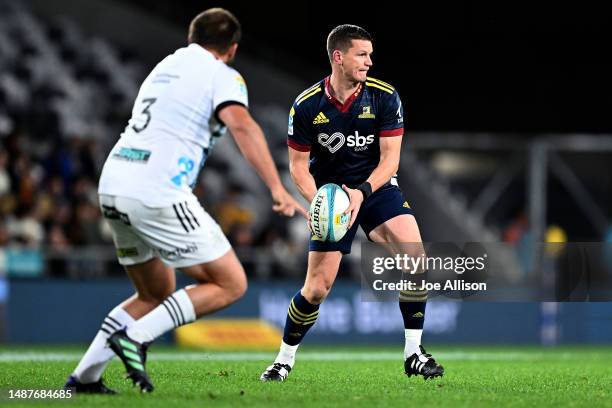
(337, 57)
(232, 51)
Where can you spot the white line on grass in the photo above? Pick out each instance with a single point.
(357, 355)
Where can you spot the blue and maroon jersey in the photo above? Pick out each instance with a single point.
(343, 139)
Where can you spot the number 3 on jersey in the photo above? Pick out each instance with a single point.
(148, 102)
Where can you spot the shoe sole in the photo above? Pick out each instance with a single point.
(425, 377)
(271, 380)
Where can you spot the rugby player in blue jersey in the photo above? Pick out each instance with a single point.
(347, 129)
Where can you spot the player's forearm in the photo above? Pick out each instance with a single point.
(254, 148)
(386, 169)
(304, 182)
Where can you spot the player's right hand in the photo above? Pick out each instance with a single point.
(356, 199)
(286, 205)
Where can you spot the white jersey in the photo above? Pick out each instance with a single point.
(172, 129)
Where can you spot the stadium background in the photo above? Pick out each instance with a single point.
(507, 141)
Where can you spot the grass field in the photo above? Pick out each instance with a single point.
(339, 377)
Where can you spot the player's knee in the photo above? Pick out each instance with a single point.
(242, 287)
(316, 294)
(238, 287)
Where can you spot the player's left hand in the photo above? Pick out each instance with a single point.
(356, 199)
(285, 204)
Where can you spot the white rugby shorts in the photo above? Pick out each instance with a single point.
(181, 235)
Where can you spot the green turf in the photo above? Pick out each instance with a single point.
(474, 376)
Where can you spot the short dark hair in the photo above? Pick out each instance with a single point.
(215, 28)
(340, 38)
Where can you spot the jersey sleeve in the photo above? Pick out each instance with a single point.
(392, 119)
(228, 88)
(299, 133)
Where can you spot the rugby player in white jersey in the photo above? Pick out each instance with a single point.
(145, 193)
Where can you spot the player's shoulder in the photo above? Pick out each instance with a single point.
(226, 72)
(228, 77)
(198, 59)
(230, 71)
(377, 86)
(308, 95)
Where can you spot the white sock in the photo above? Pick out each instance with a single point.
(286, 354)
(98, 355)
(173, 312)
(413, 341)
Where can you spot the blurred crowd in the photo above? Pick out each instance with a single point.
(63, 100)
(49, 198)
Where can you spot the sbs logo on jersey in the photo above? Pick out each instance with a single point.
(337, 140)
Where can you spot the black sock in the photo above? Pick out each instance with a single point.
(301, 316)
(412, 305)
(413, 314)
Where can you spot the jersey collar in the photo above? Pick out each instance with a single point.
(342, 107)
(202, 49)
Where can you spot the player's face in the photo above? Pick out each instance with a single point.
(357, 60)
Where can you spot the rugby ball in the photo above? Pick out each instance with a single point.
(326, 219)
